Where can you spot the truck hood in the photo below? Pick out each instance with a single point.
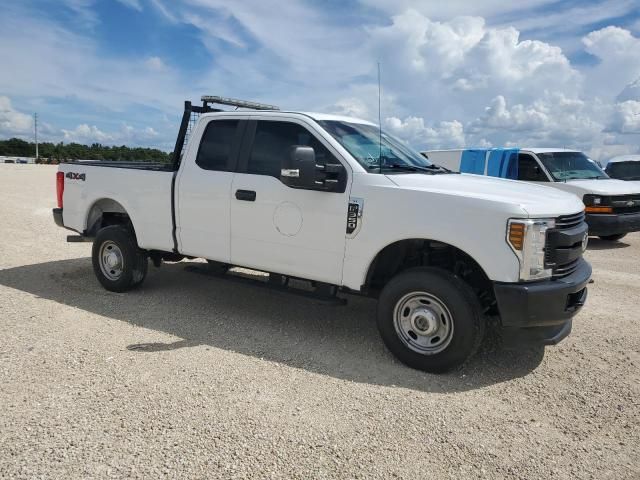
(609, 186)
(536, 200)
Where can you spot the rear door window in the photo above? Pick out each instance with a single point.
(216, 150)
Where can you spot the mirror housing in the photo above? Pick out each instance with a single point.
(300, 170)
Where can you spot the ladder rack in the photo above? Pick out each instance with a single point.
(193, 112)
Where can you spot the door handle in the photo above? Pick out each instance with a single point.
(246, 195)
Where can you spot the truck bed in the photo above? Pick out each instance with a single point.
(142, 190)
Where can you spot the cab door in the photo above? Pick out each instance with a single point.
(204, 189)
(276, 228)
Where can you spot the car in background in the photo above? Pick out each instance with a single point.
(612, 206)
(624, 167)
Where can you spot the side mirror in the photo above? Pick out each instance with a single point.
(300, 170)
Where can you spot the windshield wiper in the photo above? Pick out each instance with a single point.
(403, 167)
(432, 169)
(439, 169)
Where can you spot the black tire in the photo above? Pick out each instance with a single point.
(134, 261)
(467, 325)
(613, 238)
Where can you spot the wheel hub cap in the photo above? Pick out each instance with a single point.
(423, 322)
(111, 260)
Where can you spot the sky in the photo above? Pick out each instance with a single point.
(536, 73)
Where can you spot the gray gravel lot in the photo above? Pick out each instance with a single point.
(193, 376)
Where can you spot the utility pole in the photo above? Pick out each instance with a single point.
(35, 129)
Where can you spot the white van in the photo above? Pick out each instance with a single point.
(612, 206)
(624, 167)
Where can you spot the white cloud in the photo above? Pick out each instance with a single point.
(617, 49)
(626, 118)
(552, 120)
(87, 134)
(413, 129)
(48, 61)
(630, 92)
(127, 134)
(613, 42)
(13, 122)
(451, 68)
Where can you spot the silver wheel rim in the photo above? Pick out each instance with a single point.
(423, 323)
(111, 260)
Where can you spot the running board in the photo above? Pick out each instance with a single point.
(322, 292)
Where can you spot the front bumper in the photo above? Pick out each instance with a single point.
(544, 309)
(613, 224)
(57, 217)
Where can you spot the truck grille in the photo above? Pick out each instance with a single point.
(625, 203)
(569, 221)
(564, 245)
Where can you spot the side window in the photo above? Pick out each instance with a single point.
(528, 169)
(215, 147)
(273, 142)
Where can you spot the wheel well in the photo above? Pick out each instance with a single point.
(411, 253)
(106, 212)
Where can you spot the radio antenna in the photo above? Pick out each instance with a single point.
(379, 121)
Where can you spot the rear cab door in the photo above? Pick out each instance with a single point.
(276, 228)
(204, 187)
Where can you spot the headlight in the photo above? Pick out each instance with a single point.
(596, 204)
(592, 200)
(528, 238)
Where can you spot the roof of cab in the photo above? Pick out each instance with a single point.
(549, 150)
(276, 113)
(624, 158)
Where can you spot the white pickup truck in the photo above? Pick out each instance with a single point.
(612, 206)
(336, 202)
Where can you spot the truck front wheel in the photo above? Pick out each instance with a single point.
(118, 263)
(430, 319)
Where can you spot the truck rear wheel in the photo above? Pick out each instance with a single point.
(430, 319)
(613, 238)
(118, 263)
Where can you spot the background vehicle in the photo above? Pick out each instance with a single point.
(338, 203)
(624, 167)
(612, 206)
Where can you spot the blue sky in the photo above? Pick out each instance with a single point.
(455, 73)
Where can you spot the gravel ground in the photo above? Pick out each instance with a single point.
(199, 377)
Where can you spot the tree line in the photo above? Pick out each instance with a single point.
(57, 152)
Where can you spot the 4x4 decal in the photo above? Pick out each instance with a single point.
(76, 176)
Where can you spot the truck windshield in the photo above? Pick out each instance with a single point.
(367, 146)
(624, 170)
(571, 166)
